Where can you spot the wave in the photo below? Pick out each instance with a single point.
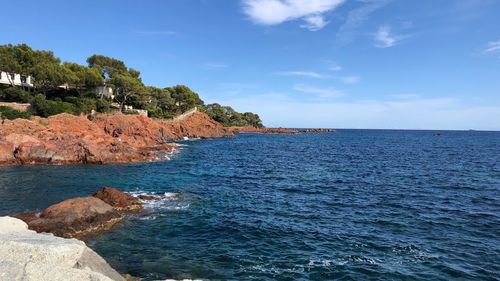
(167, 201)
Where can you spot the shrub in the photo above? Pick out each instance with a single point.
(14, 94)
(82, 105)
(103, 106)
(130, 112)
(46, 108)
(11, 114)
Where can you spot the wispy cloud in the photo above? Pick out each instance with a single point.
(155, 32)
(350, 79)
(274, 12)
(334, 67)
(417, 113)
(348, 31)
(405, 96)
(493, 47)
(314, 22)
(215, 65)
(319, 92)
(309, 74)
(384, 37)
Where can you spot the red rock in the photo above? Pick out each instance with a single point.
(7, 153)
(108, 138)
(118, 200)
(27, 217)
(250, 129)
(77, 217)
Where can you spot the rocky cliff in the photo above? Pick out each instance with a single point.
(29, 256)
(103, 138)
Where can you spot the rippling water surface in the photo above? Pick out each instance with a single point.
(352, 205)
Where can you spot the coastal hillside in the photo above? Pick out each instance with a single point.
(99, 138)
(45, 86)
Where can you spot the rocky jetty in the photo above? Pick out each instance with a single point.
(30, 256)
(317, 130)
(99, 139)
(83, 216)
(250, 129)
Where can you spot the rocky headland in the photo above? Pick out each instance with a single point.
(99, 139)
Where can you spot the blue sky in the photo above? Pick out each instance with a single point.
(430, 64)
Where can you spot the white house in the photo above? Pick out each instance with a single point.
(105, 91)
(15, 79)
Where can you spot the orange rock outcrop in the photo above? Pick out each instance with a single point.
(104, 138)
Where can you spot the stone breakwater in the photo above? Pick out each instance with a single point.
(99, 139)
(29, 256)
(250, 129)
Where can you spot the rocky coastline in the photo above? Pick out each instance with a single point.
(99, 139)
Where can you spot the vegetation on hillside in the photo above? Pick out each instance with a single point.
(11, 114)
(70, 87)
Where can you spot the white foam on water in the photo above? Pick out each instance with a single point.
(325, 263)
(180, 144)
(168, 201)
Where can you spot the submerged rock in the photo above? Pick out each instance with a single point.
(29, 256)
(118, 200)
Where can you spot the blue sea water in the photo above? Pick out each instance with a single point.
(351, 205)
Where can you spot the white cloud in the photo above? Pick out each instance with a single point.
(348, 31)
(274, 12)
(349, 79)
(493, 47)
(335, 67)
(314, 22)
(309, 74)
(405, 96)
(384, 38)
(319, 92)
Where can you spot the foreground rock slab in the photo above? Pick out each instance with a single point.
(29, 256)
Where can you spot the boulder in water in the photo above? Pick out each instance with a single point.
(77, 217)
(120, 201)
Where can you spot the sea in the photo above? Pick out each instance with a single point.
(350, 205)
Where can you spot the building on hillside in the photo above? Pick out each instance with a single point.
(15, 79)
(105, 91)
(139, 111)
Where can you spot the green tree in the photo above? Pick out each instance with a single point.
(107, 66)
(83, 78)
(125, 87)
(185, 98)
